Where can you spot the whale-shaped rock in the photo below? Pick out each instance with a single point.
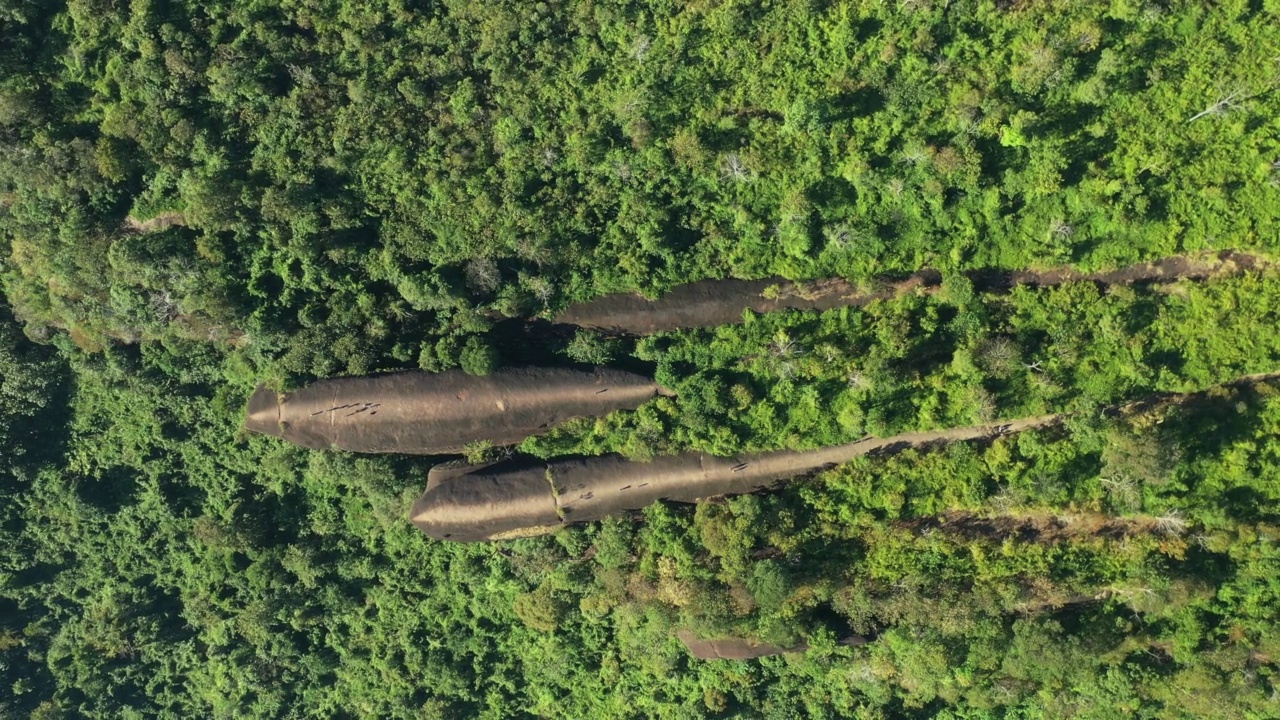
(439, 413)
(520, 498)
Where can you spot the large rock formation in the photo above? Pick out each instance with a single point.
(518, 499)
(708, 303)
(436, 413)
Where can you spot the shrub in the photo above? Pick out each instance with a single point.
(540, 610)
(591, 347)
(478, 357)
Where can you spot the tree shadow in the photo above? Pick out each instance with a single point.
(110, 491)
(858, 103)
(1209, 424)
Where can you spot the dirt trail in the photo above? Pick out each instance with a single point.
(163, 221)
(1045, 527)
(1176, 267)
(708, 303)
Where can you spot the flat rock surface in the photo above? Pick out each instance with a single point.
(730, 648)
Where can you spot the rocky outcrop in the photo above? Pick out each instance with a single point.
(438, 413)
(515, 499)
(731, 648)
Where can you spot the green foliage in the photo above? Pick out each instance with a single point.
(994, 576)
(809, 379)
(588, 346)
(769, 585)
(540, 610)
(478, 357)
(30, 380)
(613, 544)
(479, 452)
(728, 532)
(353, 188)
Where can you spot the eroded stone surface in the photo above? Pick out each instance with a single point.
(437, 413)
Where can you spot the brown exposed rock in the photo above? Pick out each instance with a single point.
(426, 414)
(721, 302)
(708, 303)
(493, 503)
(163, 221)
(514, 499)
(731, 648)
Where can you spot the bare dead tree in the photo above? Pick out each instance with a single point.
(1123, 490)
(787, 370)
(483, 275)
(301, 75)
(785, 346)
(829, 353)
(914, 154)
(1171, 523)
(1005, 500)
(733, 168)
(985, 404)
(839, 235)
(1224, 104)
(164, 306)
(541, 288)
(1000, 356)
(640, 50)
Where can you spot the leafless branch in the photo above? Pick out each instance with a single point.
(1223, 105)
(733, 168)
(1171, 523)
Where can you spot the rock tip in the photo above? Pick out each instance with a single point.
(263, 413)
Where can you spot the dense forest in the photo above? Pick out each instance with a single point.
(196, 198)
